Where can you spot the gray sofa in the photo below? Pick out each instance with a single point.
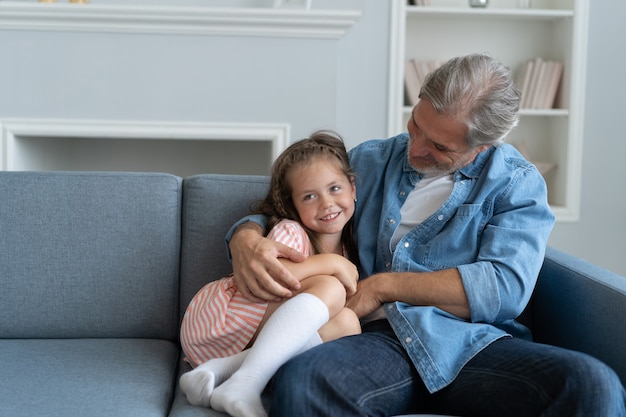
(96, 270)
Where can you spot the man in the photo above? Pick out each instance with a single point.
(451, 227)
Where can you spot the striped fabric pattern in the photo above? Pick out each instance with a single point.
(220, 321)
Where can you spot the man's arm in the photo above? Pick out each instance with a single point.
(259, 275)
(266, 270)
(443, 289)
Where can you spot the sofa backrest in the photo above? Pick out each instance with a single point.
(89, 254)
(212, 203)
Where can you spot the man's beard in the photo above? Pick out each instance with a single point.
(431, 168)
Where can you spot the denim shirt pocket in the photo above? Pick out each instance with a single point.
(458, 241)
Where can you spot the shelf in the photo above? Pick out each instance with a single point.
(122, 18)
(544, 112)
(523, 112)
(468, 13)
(552, 30)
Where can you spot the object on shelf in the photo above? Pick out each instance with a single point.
(479, 3)
(538, 82)
(415, 73)
(419, 2)
(293, 4)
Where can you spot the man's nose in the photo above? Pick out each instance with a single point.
(419, 146)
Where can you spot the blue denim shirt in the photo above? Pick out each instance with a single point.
(493, 228)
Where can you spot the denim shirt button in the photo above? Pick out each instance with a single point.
(406, 244)
(387, 264)
(402, 193)
(392, 221)
(440, 217)
(408, 340)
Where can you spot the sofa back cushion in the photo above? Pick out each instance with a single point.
(211, 204)
(89, 254)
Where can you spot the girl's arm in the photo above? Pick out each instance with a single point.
(325, 264)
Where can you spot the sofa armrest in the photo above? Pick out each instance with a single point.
(580, 306)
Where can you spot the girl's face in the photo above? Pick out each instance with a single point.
(322, 195)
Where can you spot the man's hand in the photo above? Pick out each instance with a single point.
(258, 273)
(366, 298)
(443, 289)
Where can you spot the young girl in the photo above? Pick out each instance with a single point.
(310, 204)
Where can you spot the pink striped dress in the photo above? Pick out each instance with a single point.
(219, 321)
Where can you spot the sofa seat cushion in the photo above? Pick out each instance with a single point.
(87, 377)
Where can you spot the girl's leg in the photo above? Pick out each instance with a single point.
(199, 383)
(344, 323)
(291, 329)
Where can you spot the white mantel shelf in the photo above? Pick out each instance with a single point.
(121, 18)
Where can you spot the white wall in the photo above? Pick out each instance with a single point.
(306, 83)
(599, 236)
(310, 84)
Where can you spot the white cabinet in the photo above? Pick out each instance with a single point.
(550, 29)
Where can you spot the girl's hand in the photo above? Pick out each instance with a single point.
(326, 264)
(346, 272)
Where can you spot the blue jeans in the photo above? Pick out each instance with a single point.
(371, 375)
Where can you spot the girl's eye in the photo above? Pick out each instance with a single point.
(335, 188)
(309, 197)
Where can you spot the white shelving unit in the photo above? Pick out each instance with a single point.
(550, 29)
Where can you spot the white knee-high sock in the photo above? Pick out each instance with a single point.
(199, 383)
(291, 329)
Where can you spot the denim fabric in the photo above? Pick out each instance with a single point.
(514, 377)
(493, 228)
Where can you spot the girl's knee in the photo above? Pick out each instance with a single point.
(348, 321)
(344, 323)
(328, 289)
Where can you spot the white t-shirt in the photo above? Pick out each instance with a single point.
(426, 198)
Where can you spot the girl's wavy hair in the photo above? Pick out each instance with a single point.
(278, 203)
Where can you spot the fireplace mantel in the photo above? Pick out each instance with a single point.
(184, 20)
(182, 148)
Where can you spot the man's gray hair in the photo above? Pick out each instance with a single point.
(479, 92)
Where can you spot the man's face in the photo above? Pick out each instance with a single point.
(438, 144)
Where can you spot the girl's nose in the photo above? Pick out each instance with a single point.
(327, 201)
